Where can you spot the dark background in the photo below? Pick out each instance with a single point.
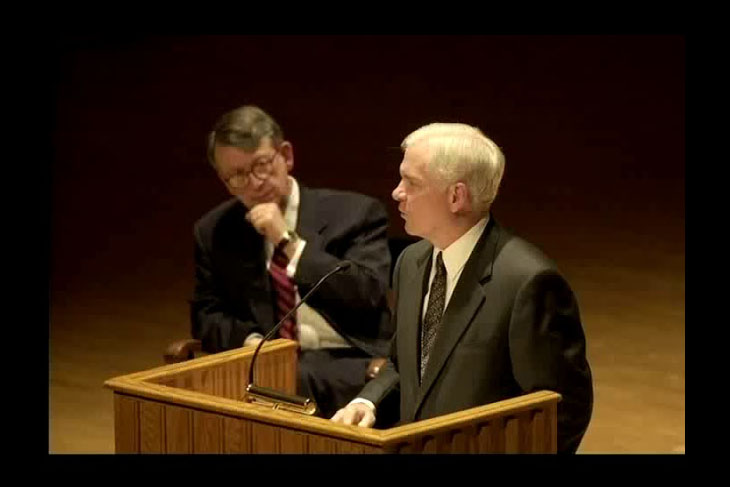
(592, 128)
(589, 125)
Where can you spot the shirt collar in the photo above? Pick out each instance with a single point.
(456, 254)
(291, 212)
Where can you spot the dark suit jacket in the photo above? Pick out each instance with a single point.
(233, 293)
(511, 327)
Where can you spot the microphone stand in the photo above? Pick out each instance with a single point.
(271, 397)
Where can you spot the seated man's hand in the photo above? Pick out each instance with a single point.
(268, 220)
(355, 413)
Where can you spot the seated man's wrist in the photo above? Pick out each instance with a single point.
(288, 243)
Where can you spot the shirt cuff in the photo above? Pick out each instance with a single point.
(291, 269)
(362, 400)
(251, 337)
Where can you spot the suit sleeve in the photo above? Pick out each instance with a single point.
(548, 351)
(212, 323)
(361, 238)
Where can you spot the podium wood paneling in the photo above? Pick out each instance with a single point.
(178, 430)
(197, 407)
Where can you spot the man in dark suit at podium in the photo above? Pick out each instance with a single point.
(259, 252)
(481, 315)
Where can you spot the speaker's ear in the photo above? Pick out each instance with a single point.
(459, 198)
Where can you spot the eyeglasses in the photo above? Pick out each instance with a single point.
(260, 169)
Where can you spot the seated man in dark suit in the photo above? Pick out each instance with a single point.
(481, 315)
(259, 252)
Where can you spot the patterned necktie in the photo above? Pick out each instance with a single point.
(285, 294)
(434, 312)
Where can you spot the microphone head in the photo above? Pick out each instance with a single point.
(345, 264)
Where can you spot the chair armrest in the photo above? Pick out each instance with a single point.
(181, 350)
(374, 368)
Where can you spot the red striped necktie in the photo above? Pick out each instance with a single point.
(284, 293)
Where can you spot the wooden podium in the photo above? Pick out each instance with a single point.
(196, 407)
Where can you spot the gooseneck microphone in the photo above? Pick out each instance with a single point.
(274, 398)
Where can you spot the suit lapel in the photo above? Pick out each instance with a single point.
(262, 310)
(411, 293)
(310, 223)
(467, 298)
